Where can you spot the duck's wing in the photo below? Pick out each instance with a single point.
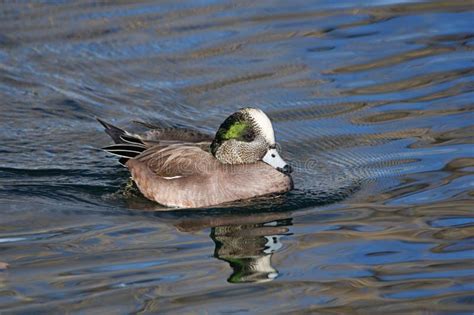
(128, 145)
(173, 160)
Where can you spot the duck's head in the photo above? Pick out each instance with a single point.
(246, 137)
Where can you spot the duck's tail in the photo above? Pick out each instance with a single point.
(126, 145)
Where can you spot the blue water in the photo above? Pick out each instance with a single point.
(372, 103)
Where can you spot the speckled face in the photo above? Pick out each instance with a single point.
(247, 137)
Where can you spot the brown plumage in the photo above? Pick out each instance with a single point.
(176, 167)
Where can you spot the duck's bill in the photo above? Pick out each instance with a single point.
(273, 158)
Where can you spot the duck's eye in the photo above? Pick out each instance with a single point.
(273, 155)
(248, 136)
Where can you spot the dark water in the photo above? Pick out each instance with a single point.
(372, 101)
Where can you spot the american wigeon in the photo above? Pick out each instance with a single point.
(188, 169)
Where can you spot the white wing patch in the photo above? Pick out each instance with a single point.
(172, 177)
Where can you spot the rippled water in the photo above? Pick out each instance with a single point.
(372, 101)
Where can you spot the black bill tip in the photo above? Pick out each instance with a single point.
(287, 169)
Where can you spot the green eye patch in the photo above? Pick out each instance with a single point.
(237, 130)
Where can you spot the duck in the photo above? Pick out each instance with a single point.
(186, 168)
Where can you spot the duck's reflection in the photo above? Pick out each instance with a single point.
(246, 235)
(248, 248)
(246, 242)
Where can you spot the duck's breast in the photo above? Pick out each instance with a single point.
(252, 180)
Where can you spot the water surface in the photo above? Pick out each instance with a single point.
(372, 102)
